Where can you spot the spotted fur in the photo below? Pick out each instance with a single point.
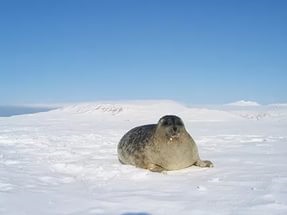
(162, 146)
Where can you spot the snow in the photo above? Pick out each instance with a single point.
(279, 105)
(244, 103)
(65, 162)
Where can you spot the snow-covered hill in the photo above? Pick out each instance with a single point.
(244, 103)
(64, 161)
(141, 109)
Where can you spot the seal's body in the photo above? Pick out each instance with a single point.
(163, 146)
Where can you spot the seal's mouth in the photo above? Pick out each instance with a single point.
(173, 133)
(174, 136)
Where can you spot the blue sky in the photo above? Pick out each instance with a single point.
(198, 52)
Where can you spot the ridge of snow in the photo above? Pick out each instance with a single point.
(244, 103)
(90, 108)
(278, 105)
(143, 109)
(123, 106)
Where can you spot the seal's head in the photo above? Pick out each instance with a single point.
(171, 125)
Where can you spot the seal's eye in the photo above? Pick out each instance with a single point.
(179, 123)
(166, 123)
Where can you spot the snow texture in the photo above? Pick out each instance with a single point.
(244, 103)
(65, 162)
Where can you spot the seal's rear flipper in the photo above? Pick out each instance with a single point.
(205, 163)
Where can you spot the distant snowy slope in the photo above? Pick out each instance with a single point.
(244, 103)
(124, 107)
(125, 110)
(278, 105)
(253, 112)
(155, 109)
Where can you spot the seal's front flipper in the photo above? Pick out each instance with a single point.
(205, 163)
(155, 168)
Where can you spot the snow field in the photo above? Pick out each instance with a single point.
(65, 162)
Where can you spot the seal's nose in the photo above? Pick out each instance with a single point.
(174, 129)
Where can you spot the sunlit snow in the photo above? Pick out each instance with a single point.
(65, 161)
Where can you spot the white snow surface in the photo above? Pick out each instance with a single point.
(65, 162)
(244, 103)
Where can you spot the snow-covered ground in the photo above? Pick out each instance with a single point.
(65, 162)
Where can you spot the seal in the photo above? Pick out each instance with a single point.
(160, 147)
